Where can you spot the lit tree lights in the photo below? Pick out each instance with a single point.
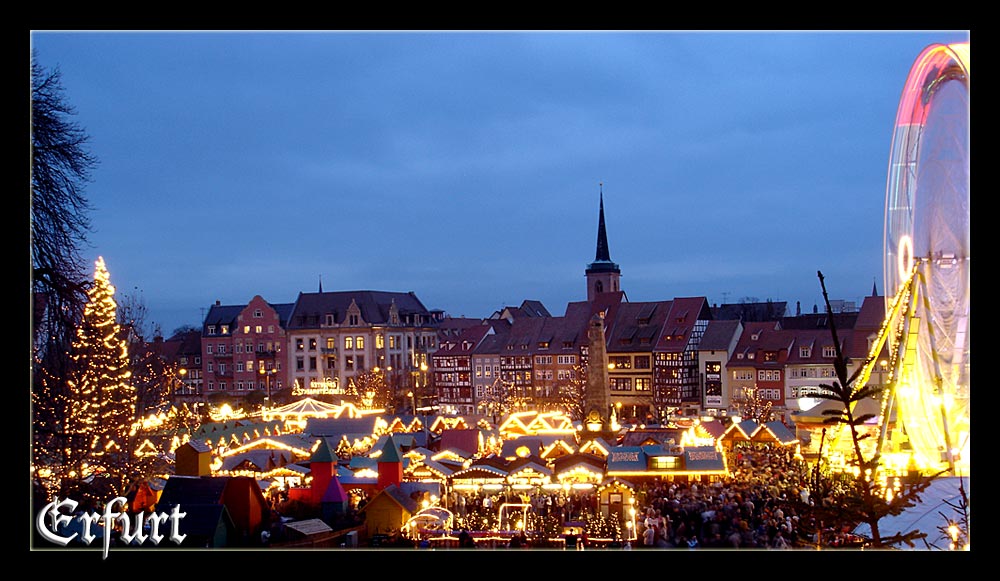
(101, 406)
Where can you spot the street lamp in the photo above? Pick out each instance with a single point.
(266, 374)
(413, 402)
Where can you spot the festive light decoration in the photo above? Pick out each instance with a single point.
(927, 258)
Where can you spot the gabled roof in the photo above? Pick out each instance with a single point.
(720, 335)
(310, 309)
(397, 495)
(189, 490)
(679, 323)
(467, 441)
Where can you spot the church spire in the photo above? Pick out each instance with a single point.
(603, 254)
(602, 274)
(321, 283)
(874, 287)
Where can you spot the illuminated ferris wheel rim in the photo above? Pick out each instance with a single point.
(927, 256)
(933, 68)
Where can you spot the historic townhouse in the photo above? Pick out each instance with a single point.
(452, 364)
(488, 389)
(241, 348)
(334, 336)
(631, 338)
(716, 346)
(676, 385)
(757, 367)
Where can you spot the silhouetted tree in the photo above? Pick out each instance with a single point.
(60, 169)
(865, 498)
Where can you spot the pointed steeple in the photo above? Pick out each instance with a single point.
(602, 274)
(321, 283)
(874, 287)
(603, 254)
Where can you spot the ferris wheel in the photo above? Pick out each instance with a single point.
(927, 259)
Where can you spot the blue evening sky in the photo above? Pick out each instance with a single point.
(466, 166)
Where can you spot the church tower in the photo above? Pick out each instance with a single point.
(602, 274)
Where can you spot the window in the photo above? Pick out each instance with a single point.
(349, 362)
(211, 367)
(208, 349)
(805, 352)
(329, 320)
(643, 384)
(312, 364)
(239, 366)
(620, 362)
(353, 319)
(331, 343)
(246, 328)
(222, 369)
(620, 383)
(349, 343)
(312, 344)
(760, 375)
(222, 348)
(359, 342)
(211, 329)
(238, 348)
(257, 314)
(300, 345)
(393, 342)
(258, 329)
(270, 328)
(300, 363)
(379, 341)
(642, 361)
(225, 330)
(829, 351)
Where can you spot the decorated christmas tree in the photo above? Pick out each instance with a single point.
(101, 398)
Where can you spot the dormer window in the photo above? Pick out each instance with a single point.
(805, 352)
(211, 329)
(257, 314)
(225, 329)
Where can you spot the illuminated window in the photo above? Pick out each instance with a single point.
(225, 329)
(312, 344)
(393, 342)
(246, 328)
(258, 329)
(331, 343)
(379, 341)
(348, 342)
(300, 345)
(664, 462)
(360, 342)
